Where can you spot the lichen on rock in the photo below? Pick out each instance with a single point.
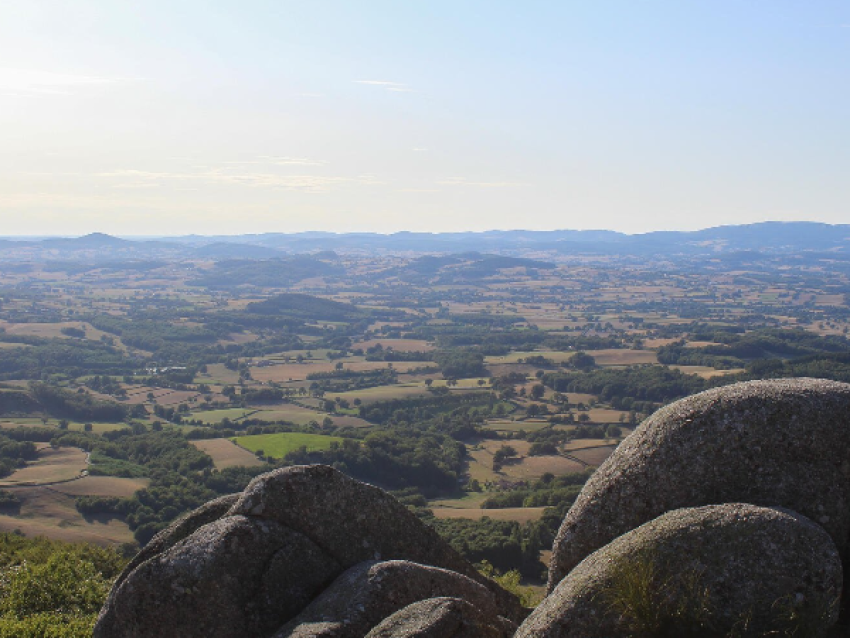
(774, 443)
(706, 571)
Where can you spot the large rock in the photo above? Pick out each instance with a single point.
(782, 442)
(700, 571)
(369, 592)
(440, 618)
(355, 522)
(178, 530)
(233, 577)
(245, 565)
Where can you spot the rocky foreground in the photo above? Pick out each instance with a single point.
(725, 513)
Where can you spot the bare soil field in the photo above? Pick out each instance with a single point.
(60, 464)
(518, 514)
(46, 512)
(225, 453)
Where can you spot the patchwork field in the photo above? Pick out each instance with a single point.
(60, 464)
(97, 428)
(384, 392)
(594, 456)
(280, 444)
(102, 486)
(225, 453)
(525, 468)
(44, 511)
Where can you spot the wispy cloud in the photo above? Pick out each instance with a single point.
(275, 160)
(28, 82)
(131, 178)
(395, 87)
(461, 181)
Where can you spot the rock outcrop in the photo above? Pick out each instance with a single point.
(246, 565)
(700, 571)
(774, 443)
(442, 618)
(369, 592)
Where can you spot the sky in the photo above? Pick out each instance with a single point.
(223, 117)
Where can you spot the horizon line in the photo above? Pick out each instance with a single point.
(23, 237)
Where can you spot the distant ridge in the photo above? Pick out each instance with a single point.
(765, 237)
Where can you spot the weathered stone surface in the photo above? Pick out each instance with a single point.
(773, 443)
(721, 566)
(355, 522)
(178, 530)
(369, 592)
(442, 618)
(230, 578)
(255, 560)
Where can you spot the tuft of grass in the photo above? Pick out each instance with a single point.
(661, 601)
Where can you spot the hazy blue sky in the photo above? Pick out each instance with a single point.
(179, 116)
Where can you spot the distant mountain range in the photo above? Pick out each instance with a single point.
(766, 237)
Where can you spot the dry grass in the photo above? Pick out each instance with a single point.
(384, 392)
(604, 415)
(533, 467)
(503, 425)
(525, 468)
(622, 357)
(102, 486)
(225, 453)
(46, 512)
(52, 465)
(706, 372)
(594, 456)
(580, 444)
(302, 416)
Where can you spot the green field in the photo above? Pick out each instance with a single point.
(280, 444)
